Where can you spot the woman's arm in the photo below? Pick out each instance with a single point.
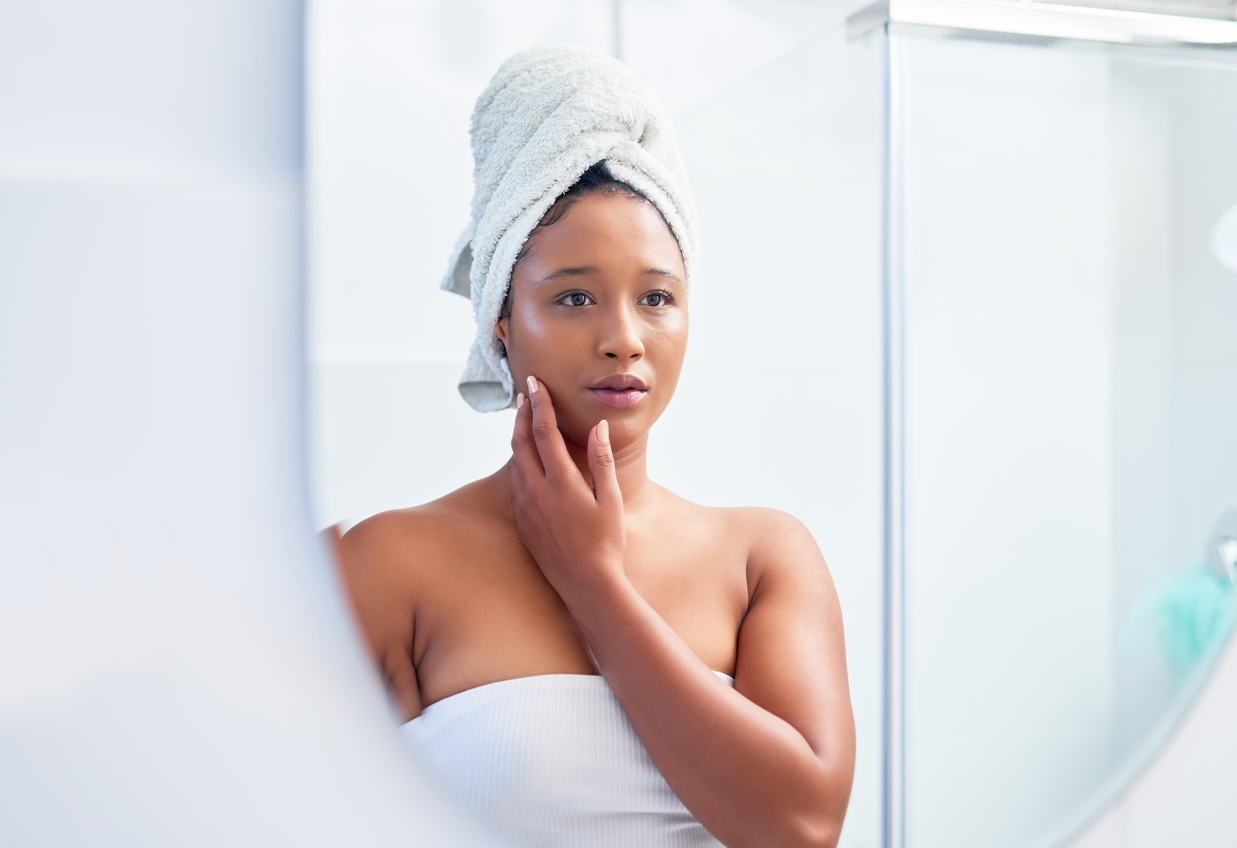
(769, 763)
(369, 556)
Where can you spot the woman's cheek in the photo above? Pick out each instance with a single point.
(669, 344)
(532, 322)
(534, 345)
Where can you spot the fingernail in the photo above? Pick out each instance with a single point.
(603, 430)
(532, 384)
(519, 400)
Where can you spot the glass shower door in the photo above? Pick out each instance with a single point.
(1068, 389)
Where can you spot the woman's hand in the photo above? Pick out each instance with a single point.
(574, 530)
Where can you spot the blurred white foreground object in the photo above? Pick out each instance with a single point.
(176, 667)
(1224, 239)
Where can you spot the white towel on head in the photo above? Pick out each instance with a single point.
(548, 115)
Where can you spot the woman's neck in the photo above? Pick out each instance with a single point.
(630, 466)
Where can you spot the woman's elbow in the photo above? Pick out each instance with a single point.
(818, 824)
(821, 829)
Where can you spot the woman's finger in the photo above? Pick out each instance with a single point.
(523, 445)
(550, 446)
(518, 481)
(601, 463)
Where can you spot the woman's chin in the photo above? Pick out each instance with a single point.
(625, 428)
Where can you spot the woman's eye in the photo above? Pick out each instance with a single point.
(655, 299)
(576, 299)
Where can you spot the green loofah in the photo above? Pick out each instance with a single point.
(1194, 609)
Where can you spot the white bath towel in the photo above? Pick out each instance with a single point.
(549, 114)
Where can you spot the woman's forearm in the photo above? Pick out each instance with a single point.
(746, 774)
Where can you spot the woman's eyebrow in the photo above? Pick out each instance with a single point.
(567, 272)
(585, 270)
(662, 272)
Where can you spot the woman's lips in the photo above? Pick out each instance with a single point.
(619, 398)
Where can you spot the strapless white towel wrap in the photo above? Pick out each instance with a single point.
(552, 762)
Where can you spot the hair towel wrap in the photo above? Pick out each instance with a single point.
(549, 114)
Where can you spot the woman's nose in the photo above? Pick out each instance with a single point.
(620, 337)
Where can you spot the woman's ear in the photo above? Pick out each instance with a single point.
(501, 329)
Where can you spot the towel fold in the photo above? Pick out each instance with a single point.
(548, 115)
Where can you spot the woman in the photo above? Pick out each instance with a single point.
(589, 658)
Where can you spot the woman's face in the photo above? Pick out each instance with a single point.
(598, 314)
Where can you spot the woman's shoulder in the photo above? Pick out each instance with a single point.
(781, 558)
(430, 532)
(772, 541)
(758, 525)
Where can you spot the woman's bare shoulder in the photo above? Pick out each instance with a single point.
(761, 529)
(403, 540)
